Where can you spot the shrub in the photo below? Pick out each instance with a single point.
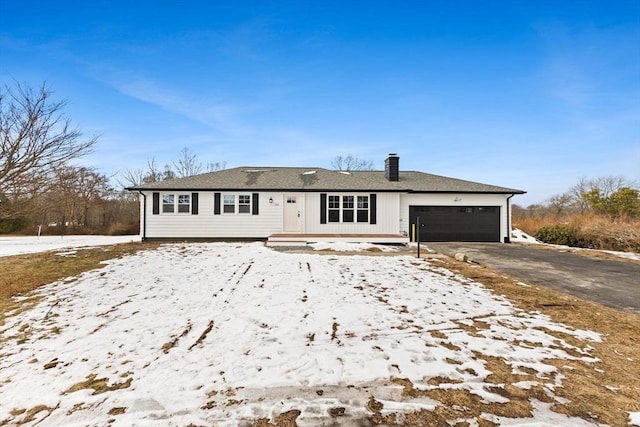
(558, 235)
(9, 225)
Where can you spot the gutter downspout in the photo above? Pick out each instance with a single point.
(507, 239)
(144, 216)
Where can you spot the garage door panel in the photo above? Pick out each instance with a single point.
(457, 223)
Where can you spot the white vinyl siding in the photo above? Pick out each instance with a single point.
(392, 214)
(387, 215)
(208, 225)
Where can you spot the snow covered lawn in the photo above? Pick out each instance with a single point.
(15, 245)
(220, 334)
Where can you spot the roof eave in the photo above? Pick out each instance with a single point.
(317, 190)
(284, 189)
(505, 191)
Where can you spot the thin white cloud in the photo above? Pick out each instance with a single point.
(569, 83)
(236, 140)
(222, 117)
(585, 65)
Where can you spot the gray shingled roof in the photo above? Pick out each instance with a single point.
(319, 179)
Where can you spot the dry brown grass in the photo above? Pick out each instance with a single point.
(585, 385)
(286, 419)
(597, 231)
(98, 385)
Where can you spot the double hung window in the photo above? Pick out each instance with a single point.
(363, 208)
(172, 203)
(229, 203)
(184, 203)
(347, 208)
(244, 203)
(334, 208)
(168, 203)
(232, 203)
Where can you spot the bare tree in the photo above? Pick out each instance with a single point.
(132, 178)
(216, 166)
(137, 177)
(187, 164)
(561, 203)
(36, 139)
(350, 163)
(78, 192)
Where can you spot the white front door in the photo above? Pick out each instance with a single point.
(292, 213)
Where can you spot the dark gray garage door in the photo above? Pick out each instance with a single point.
(456, 223)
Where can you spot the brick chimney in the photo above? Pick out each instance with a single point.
(391, 167)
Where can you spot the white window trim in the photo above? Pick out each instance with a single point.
(237, 204)
(176, 204)
(355, 208)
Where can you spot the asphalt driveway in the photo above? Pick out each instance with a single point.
(608, 282)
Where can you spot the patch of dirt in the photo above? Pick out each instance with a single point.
(286, 419)
(118, 410)
(52, 364)
(99, 385)
(334, 331)
(30, 414)
(77, 407)
(337, 412)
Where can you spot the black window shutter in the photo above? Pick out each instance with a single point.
(156, 203)
(323, 208)
(372, 209)
(194, 203)
(216, 203)
(254, 205)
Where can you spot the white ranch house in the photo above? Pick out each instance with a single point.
(291, 205)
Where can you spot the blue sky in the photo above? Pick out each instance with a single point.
(527, 94)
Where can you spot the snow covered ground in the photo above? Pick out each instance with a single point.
(519, 236)
(218, 334)
(15, 245)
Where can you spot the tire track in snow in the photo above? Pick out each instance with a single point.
(203, 335)
(170, 344)
(237, 275)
